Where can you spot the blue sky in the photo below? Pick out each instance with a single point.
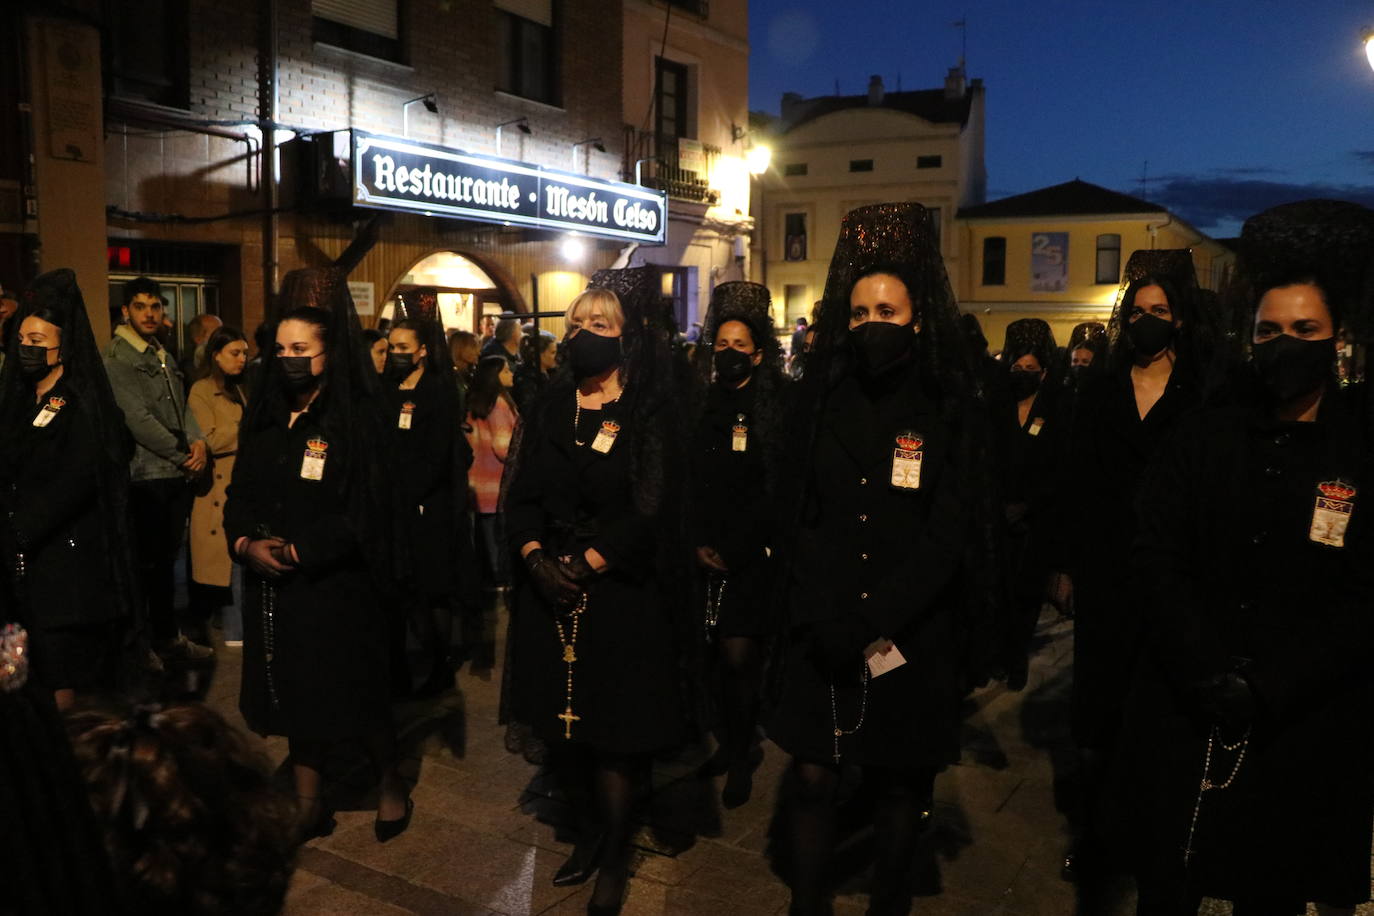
(1236, 104)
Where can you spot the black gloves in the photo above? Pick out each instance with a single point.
(837, 645)
(578, 569)
(1229, 699)
(554, 584)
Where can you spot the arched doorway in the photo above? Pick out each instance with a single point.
(468, 288)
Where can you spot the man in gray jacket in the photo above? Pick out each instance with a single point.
(170, 453)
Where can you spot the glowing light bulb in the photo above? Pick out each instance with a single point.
(573, 249)
(758, 159)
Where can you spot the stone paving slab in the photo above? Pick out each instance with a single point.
(485, 838)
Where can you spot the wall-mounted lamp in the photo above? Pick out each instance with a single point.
(594, 143)
(1369, 46)
(757, 156)
(573, 249)
(523, 124)
(431, 103)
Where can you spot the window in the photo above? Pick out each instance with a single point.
(994, 261)
(679, 286)
(364, 26)
(929, 162)
(861, 165)
(670, 107)
(794, 169)
(1108, 258)
(146, 51)
(794, 237)
(530, 69)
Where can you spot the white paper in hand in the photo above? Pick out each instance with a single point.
(883, 656)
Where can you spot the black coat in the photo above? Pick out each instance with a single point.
(1229, 569)
(626, 680)
(1093, 528)
(883, 562)
(732, 512)
(426, 465)
(330, 666)
(50, 501)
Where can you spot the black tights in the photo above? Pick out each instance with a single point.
(307, 759)
(741, 674)
(606, 811)
(900, 798)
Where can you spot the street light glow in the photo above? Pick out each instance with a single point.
(1369, 48)
(759, 157)
(573, 249)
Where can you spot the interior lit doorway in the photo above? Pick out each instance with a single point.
(466, 290)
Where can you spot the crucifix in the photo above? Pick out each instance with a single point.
(568, 720)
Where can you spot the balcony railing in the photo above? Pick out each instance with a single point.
(660, 167)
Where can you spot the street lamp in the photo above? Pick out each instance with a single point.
(758, 157)
(522, 123)
(431, 102)
(1369, 46)
(594, 143)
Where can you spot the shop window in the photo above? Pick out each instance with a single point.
(371, 27)
(146, 51)
(994, 261)
(529, 36)
(1108, 258)
(929, 162)
(679, 286)
(794, 169)
(861, 165)
(794, 237)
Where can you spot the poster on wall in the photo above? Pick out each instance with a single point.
(1049, 262)
(364, 296)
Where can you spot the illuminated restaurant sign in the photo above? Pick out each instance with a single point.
(393, 174)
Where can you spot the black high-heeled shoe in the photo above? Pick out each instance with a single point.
(322, 824)
(581, 864)
(617, 876)
(389, 830)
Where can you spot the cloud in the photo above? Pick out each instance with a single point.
(1208, 201)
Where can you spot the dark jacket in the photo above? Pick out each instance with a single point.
(50, 501)
(1234, 574)
(882, 560)
(329, 672)
(1107, 457)
(426, 461)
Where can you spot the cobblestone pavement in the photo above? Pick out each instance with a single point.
(483, 839)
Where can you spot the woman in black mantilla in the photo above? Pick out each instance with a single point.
(1256, 565)
(429, 469)
(1159, 363)
(595, 637)
(736, 455)
(1025, 419)
(309, 515)
(64, 486)
(891, 584)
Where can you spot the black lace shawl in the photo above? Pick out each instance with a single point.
(84, 373)
(350, 408)
(898, 235)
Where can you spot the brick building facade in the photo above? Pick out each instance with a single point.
(185, 98)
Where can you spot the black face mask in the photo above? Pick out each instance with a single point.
(399, 366)
(592, 354)
(1290, 367)
(296, 375)
(1024, 384)
(880, 346)
(1150, 334)
(732, 366)
(33, 361)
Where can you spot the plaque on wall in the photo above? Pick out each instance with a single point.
(71, 67)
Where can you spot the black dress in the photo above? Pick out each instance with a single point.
(887, 556)
(67, 597)
(731, 511)
(328, 675)
(1107, 457)
(626, 680)
(425, 465)
(1236, 559)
